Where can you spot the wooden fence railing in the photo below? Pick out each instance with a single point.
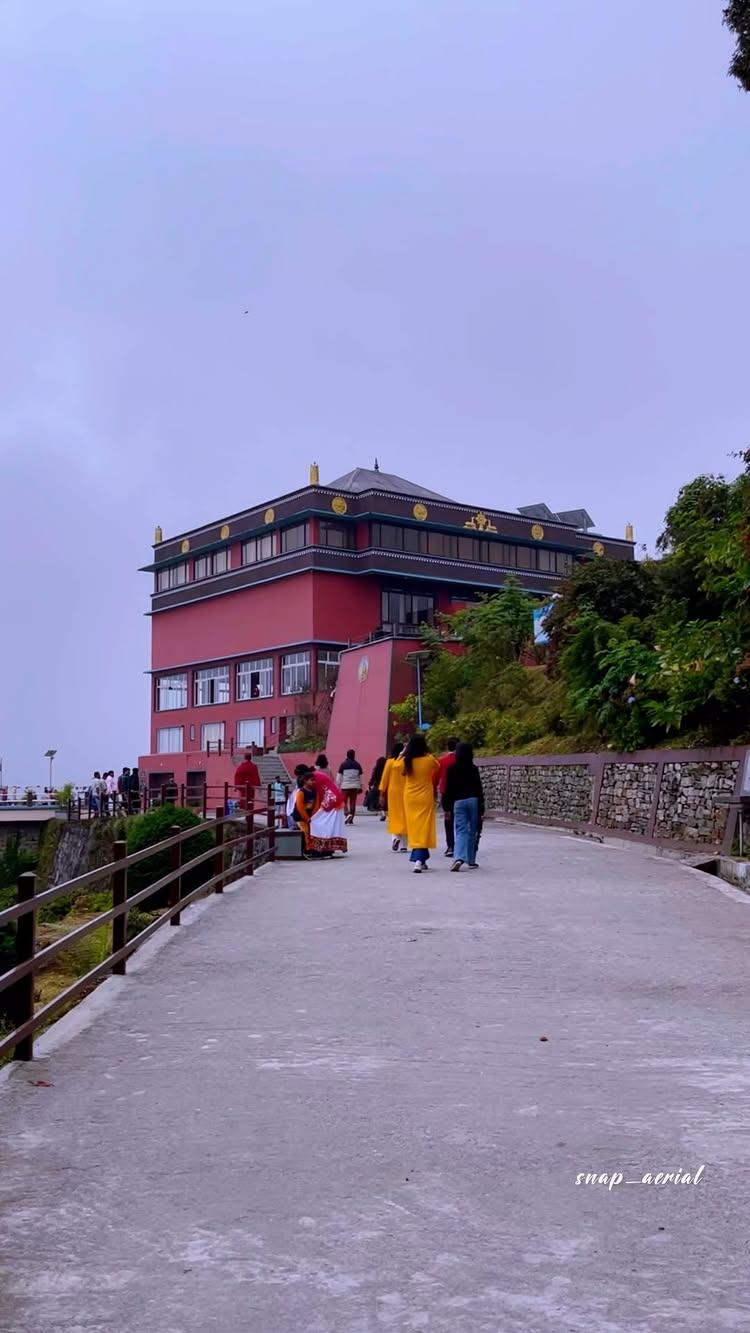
(258, 845)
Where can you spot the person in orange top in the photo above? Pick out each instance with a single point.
(447, 761)
(245, 776)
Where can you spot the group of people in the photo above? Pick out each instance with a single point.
(320, 809)
(108, 793)
(411, 783)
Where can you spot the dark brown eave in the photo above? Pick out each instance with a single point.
(374, 504)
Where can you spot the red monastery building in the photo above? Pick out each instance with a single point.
(257, 616)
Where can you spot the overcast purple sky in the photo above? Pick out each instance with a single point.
(498, 243)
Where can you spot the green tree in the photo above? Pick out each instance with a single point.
(737, 19)
(609, 589)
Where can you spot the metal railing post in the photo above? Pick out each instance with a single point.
(226, 798)
(250, 844)
(205, 800)
(271, 825)
(119, 898)
(175, 888)
(23, 991)
(182, 793)
(219, 857)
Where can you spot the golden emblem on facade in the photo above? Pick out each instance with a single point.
(598, 548)
(224, 532)
(480, 523)
(420, 511)
(185, 546)
(537, 532)
(339, 505)
(269, 516)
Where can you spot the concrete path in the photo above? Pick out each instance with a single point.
(326, 1107)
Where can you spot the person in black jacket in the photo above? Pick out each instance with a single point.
(464, 798)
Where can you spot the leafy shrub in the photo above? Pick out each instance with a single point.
(155, 826)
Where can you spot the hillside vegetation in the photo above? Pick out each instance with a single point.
(639, 655)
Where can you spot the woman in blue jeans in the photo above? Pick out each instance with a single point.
(464, 799)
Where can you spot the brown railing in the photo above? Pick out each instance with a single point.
(202, 797)
(259, 846)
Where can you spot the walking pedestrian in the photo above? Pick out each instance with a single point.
(421, 776)
(96, 792)
(246, 780)
(350, 782)
(464, 796)
(111, 785)
(446, 762)
(392, 798)
(372, 795)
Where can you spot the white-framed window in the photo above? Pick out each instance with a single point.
(274, 726)
(217, 562)
(211, 686)
(328, 668)
(295, 673)
(171, 692)
(258, 548)
(169, 740)
(251, 731)
(172, 577)
(212, 735)
(255, 679)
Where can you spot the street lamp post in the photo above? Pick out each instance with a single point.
(418, 658)
(50, 754)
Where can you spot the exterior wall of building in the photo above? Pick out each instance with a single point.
(344, 609)
(237, 624)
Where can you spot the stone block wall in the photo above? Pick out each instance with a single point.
(668, 796)
(554, 792)
(627, 797)
(687, 807)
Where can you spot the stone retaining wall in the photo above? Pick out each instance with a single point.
(551, 793)
(677, 797)
(627, 797)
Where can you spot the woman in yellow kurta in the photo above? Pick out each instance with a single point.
(392, 797)
(421, 773)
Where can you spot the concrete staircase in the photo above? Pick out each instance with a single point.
(272, 769)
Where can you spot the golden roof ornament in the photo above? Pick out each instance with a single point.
(480, 523)
(314, 474)
(158, 535)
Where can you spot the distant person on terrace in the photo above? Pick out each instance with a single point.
(246, 776)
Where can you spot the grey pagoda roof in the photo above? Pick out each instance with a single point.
(372, 479)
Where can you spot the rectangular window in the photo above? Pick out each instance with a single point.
(274, 725)
(169, 740)
(171, 692)
(415, 540)
(340, 535)
(212, 735)
(293, 539)
(328, 668)
(211, 686)
(406, 608)
(257, 549)
(255, 679)
(215, 563)
(524, 558)
(173, 577)
(251, 732)
(295, 673)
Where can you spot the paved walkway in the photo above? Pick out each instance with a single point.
(326, 1108)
